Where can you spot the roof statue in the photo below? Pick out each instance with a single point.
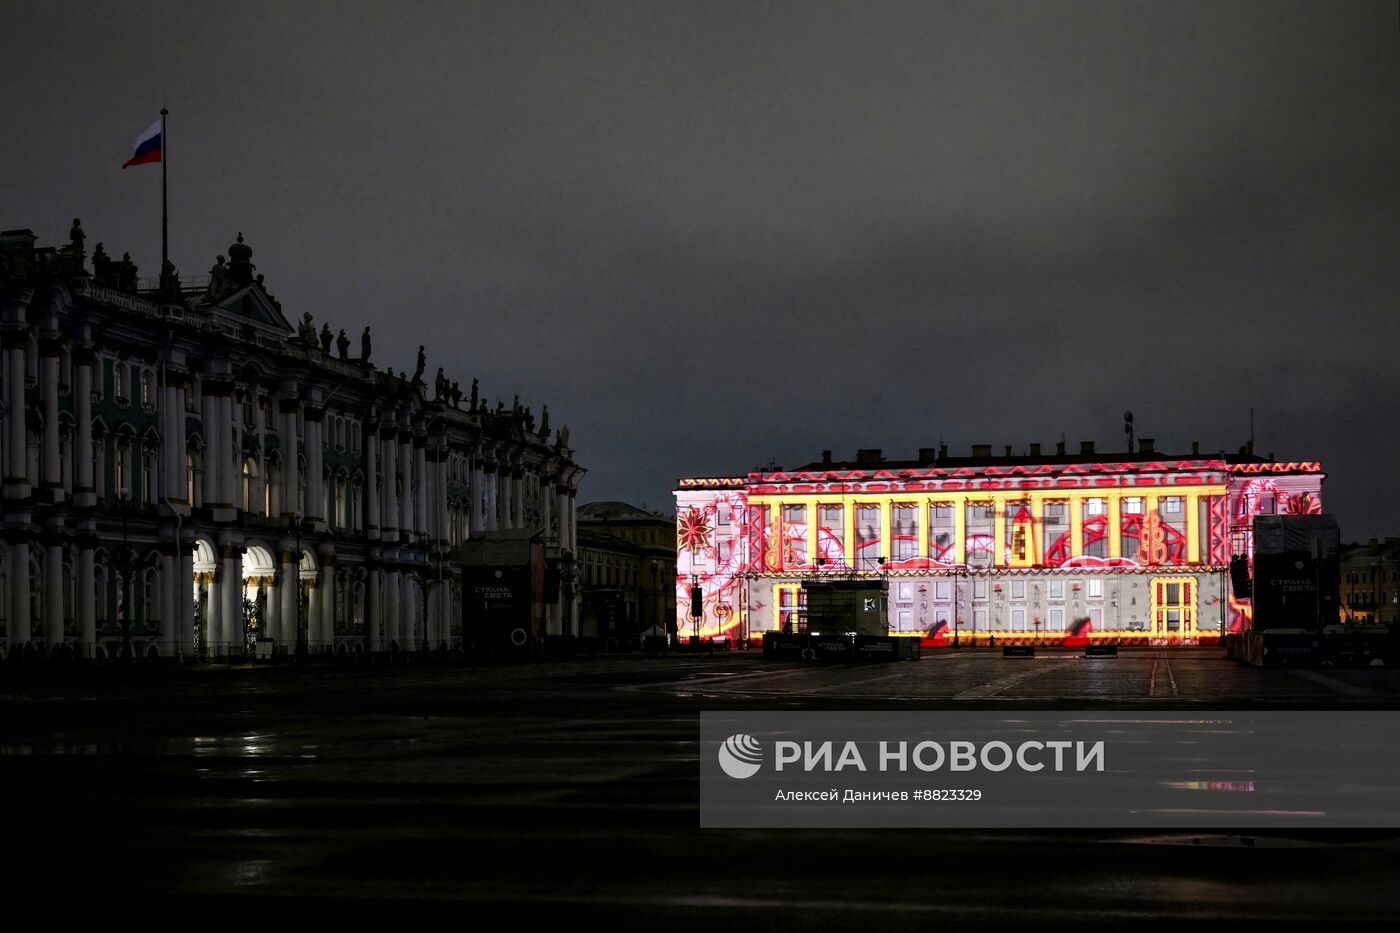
(76, 238)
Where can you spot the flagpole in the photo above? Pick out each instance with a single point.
(164, 228)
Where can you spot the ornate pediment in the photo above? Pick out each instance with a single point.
(251, 305)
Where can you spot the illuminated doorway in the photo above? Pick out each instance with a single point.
(1173, 610)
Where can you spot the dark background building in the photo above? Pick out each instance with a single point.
(1371, 582)
(628, 561)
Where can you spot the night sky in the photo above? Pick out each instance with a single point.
(713, 235)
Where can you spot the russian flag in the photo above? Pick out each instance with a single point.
(147, 147)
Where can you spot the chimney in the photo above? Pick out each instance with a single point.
(867, 456)
(1146, 445)
(1059, 448)
(928, 454)
(1008, 451)
(826, 456)
(1035, 450)
(982, 450)
(942, 451)
(1195, 448)
(1086, 447)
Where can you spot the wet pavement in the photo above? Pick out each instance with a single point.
(569, 789)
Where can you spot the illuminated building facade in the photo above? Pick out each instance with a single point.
(187, 473)
(1020, 548)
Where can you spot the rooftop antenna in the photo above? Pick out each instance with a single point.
(1251, 430)
(1128, 428)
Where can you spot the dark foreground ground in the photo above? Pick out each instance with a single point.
(568, 791)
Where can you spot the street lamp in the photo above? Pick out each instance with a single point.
(428, 585)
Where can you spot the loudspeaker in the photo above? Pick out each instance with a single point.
(1239, 577)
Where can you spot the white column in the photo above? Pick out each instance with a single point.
(326, 587)
(16, 479)
(315, 495)
(213, 447)
(475, 523)
(546, 507)
(371, 503)
(290, 585)
(492, 481)
(53, 594)
(443, 532)
(232, 614)
(374, 625)
(420, 475)
(517, 493)
(87, 603)
(48, 392)
(406, 507)
(573, 521)
(391, 609)
(214, 615)
(83, 494)
(389, 520)
(313, 615)
(291, 470)
(172, 451)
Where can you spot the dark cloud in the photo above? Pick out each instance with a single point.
(713, 234)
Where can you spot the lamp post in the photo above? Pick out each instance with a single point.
(428, 585)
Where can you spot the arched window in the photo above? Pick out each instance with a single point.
(194, 492)
(148, 389)
(250, 479)
(273, 494)
(99, 461)
(120, 386)
(147, 598)
(119, 487)
(341, 494)
(148, 475)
